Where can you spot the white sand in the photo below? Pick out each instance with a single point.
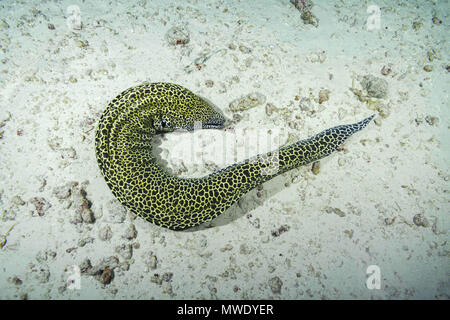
(54, 88)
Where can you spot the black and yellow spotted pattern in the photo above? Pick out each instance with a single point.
(124, 155)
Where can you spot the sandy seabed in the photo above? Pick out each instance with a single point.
(371, 224)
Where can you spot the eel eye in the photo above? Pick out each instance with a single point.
(164, 123)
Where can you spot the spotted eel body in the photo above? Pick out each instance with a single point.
(124, 155)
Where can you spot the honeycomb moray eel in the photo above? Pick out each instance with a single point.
(124, 155)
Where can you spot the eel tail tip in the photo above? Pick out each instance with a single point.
(363, 123)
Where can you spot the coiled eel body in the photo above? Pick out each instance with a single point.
(124, 155)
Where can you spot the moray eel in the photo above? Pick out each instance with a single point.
(124, 155)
